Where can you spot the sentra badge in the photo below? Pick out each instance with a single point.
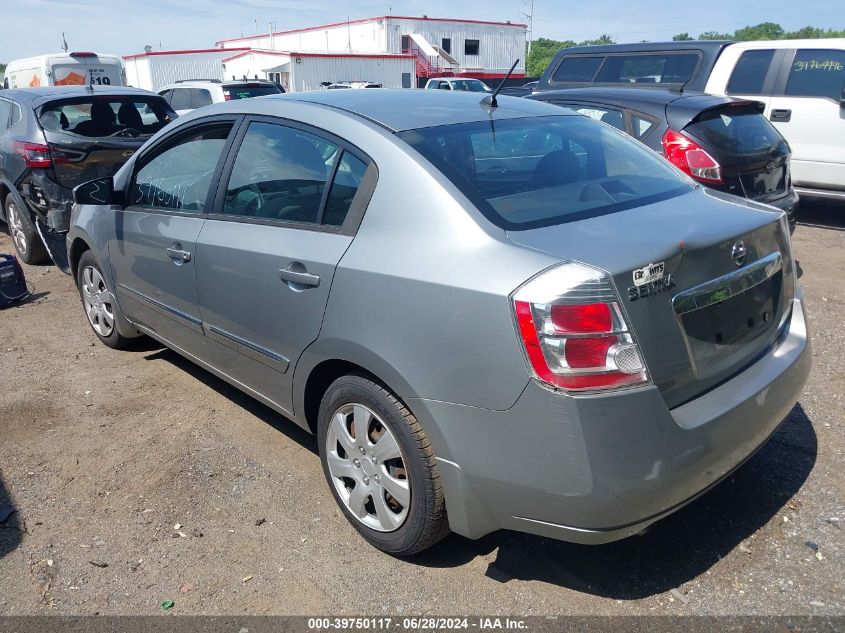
(648, 274)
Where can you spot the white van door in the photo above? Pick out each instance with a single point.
(85, 69)
(807, 107)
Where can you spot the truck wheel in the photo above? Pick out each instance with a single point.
(98, 302)
(28, 244)
(380, 466)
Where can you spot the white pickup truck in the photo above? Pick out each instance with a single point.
(802, 83)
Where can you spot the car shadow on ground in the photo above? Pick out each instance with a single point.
(248, 403)
(826, 214)
(11, 527)
(675, 550)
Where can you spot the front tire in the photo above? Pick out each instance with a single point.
(98, 302)
(380, 466)
(28, 243)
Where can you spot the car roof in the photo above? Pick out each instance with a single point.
(642, 98)
(48, 93)
(698, 45)
(400, 110)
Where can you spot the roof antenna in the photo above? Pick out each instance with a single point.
(491, 100)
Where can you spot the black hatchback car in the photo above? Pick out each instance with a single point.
(52, 139)
(721, 142)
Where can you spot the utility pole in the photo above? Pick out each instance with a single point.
(530, 17)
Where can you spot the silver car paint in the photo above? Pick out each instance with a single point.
(420, 298)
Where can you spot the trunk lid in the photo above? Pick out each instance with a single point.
(77, 159)
(698, 317)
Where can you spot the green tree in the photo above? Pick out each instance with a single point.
(542, 52)
(714, 35)
(600, 40)
(762, 31)
(682, 37)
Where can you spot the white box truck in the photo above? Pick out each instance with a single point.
(65, 69)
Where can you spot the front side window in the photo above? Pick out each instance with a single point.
(817, 73)
(179, 177)
(750, 73)
(539, 171)
(471, 47)
(280, 173)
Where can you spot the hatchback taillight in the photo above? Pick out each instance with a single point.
(35, 155)
(574, 332)
(691, 158)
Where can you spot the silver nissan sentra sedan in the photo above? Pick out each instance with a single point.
(492, 315)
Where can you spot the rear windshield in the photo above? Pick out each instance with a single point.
(102, 117)
(539, 171)
(248, 91)
(736, 131)
(469, 85)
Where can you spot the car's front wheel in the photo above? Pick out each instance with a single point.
(28, 243)
(380, 466)
(98, 301)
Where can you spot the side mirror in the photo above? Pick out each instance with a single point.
(100, 192)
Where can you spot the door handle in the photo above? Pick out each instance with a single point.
(176, 253)
(781, 115)
(299, 277)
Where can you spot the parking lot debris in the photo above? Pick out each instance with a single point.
(816, 603)
(680, 596)
(260, 522)
(188, 587)
(196, 533)
(177, 527)
(834, 521)
(167, 605)
(247, 579)
(99, 563)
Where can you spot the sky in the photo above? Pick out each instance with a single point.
(123, 27)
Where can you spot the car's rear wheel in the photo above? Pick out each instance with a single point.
(28, 244)
(380, 466)
(98, 301)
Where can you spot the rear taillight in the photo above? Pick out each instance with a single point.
(574, 332)
(691, 158)
(35, 155)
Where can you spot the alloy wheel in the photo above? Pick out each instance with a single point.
(98, 302)
(16, 228)
(367, 468)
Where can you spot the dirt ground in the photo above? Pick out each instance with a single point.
(135, 477)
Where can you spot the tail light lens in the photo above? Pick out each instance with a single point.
(574, 332)
(35, 155)
(691, 158)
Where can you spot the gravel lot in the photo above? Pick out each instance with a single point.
(137, 478)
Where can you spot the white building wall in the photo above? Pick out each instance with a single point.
(252, 64)
(312, 71)
(366, 37)
(138, 73)
(153, 72)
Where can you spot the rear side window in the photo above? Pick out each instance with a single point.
(667, 68)
(641, 126)
(280, 173)
(817, 73)
(750, 73)
(181, 99)
(347, 180)
(577, 69)
(179, 177)
(539, 171)
(599, 113)
(5, 115)
(200, 97)
(736, 131)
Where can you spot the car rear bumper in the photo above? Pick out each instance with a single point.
(50, 201)
(594, 469)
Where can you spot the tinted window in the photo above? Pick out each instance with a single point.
(641, 126)
(668, 68)
(581, 69)
(5, 115)
(817, 73)
(599, 113)
(107, 117)
(350, 173)
(471, 47)
(166, 94)
(179, 177)
(280, 173)
(446, 44)
(750, 73)
(469, 85)
(248, 91)
(524, 173)
(200, 97)
(180, 99)
(736, 131)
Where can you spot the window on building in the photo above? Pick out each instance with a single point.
(406, 43)
(817, 73)
(750, 73)
(471, 47)
(446, 44)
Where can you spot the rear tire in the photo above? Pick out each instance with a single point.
(99, 303)
(393, 454)
(28, 243)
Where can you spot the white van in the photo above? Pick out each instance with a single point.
(65, 69)
(802, 83)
